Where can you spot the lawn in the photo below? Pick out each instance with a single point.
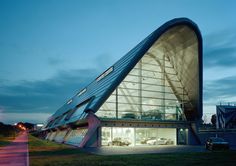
(42, 146)
(5, 140)
(43, 153)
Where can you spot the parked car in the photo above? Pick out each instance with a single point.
(129, 116)
(164, 141)
(159, 141)
(151, 141)
(105, 141)
(153, 115)
(214, 143)
(144, 140)
(119, 142)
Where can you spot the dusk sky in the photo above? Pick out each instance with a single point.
(50, 49)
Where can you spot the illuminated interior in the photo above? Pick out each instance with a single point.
(160, 86)
(120, 136)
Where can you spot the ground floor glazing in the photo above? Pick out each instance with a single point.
(124, 136)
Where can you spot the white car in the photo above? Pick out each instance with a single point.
(163, 141)
(152, 141)
(159, 141)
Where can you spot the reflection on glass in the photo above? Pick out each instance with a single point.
(123, 136)
(60, 136)
(75, 136)
(78, 112)
(182, 136)
(151, 136)
(117, 136)
(156, 88)
(120, 136)
(146, 94)
(106, 136)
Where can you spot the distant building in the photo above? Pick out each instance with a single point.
(151, 96)
(226, 116)
(38, 126)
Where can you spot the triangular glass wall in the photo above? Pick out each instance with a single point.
(154, 88)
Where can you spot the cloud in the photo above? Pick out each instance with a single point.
(24, 117)
(220, 49)
(219, 66)
(1, 114)
(103, 61)
(29, 97)
(220, 57)
(53, 61)
(221, 90)
(44, 96)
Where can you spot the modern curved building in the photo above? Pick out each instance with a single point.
(151, 96)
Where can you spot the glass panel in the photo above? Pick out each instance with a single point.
(128, 99)
(166, 136)
(182, 136)
(106, 113)
(112, 98)
(76, 136)
(159, 136)
(78, 112)
(122, 136)
(156, 87)
(60, 136)
(129, 111)
(153, 112)
(106, 136)
(51, 137)
(144, 136)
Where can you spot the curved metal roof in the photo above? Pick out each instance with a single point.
(100, 89)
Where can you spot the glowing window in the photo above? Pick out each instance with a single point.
(82, 92)
(70, 101)
(104, 74)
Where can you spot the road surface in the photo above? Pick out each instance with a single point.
(15, 154)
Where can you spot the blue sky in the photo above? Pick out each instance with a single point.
(50, 49)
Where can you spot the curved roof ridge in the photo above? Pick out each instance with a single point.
(102, 88)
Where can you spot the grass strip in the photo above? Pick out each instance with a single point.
(62, 155)
(4, 141)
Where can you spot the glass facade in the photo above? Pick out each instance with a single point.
(182, 136)
(120, 136)
(51, 135)
(71, 115)
(145, 94)
(75, 136)
(159, 87)
(153, 93)
(78, 113)
(60, 136)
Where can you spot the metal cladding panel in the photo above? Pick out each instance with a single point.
(100, 90)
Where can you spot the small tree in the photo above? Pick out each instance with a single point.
(213, 120)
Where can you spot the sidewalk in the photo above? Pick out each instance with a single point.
(15, 154)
